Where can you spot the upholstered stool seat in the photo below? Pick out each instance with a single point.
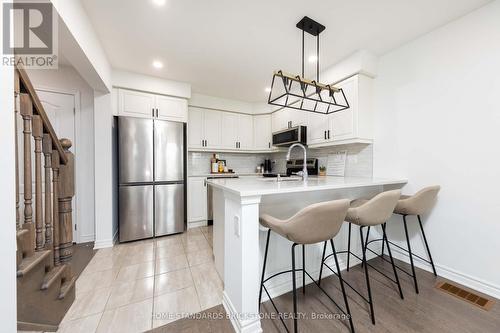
(316, 223)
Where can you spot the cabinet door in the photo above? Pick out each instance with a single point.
(342, 122)
(280, 120)
(317, 128)
(170, 108)
(197, 199)
(229, 130)
(195, 128)
(245, 131)
(298, 117)
(262, 132)
(213, 128)
(135, 104)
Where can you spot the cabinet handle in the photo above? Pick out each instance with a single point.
(269, 145)
(153, 112)
(328, 134)
(206, 143)
(156, 113)
(324, 133)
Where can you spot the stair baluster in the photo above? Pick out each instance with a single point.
(55, 209)
(27, 113)
(66, 193)
(47, 152)
(38, 135)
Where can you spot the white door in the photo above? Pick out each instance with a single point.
(60, 109)
(197, 199)
(135, 103)
(317, 128)
(170, 108)
(213, 128)
(262, 132)
(229, 130)
(195, 128)
(245, 131)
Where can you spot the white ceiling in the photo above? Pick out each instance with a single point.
(229, 48)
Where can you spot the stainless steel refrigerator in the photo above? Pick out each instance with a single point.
(152, 178)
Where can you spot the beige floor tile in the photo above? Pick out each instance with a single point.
(173, 306)
(199, 244)
(168, 240)
(82, 325)
(208, 285)
(173, 281)
(171, 264)
(199, 257)
(131, 257)
(95, 280)
(133, 318)
(123, 293)
(89, 303)
(99, 264)
(169, 251)
(135, 272)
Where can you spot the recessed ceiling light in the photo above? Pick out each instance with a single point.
(157, 64)
(267, 89)
(313, 58)
(159, 2)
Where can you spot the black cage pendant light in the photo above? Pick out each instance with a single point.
(297, 92)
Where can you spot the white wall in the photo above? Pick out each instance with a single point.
(66, 79)
(8, 314)
(437, 122)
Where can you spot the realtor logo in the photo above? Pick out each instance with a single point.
(30, 34)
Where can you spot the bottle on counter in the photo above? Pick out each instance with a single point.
(221, 167)
(214, 166)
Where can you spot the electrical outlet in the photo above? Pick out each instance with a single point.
(237, 226)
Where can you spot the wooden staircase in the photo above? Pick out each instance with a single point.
(45, 281)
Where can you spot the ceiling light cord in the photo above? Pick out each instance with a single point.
(303, 37)
(317, 58)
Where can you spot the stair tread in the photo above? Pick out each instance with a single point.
(66, 287)
(30, 262)
(52, 276)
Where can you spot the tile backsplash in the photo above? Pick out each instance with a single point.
(359, 162)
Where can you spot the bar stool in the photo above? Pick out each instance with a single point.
(368, 213)
(314, 224)
(416, 205)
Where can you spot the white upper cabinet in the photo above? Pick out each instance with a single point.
(170, 108)
(262, 132)
(317, 128)
(230, 130)
(212, 129)
(135, 103)
(145, 105)
(245, 131)
(195, 128)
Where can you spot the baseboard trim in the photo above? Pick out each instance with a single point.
(86, 238)
(240, 326)
(197, 224)
(102, 244)
(451, 274)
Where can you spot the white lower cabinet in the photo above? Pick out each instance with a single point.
(197, 199)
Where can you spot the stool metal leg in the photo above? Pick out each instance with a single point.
(303, 269)
(322, 263)
(294, 290)
(367, 276)
(348, 246)
(366, 241)
(383, 238)
(411, 256)
(427, 246)
(264, 267)
(392, 262)
(342, 285)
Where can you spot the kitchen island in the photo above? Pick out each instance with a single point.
(239, 242)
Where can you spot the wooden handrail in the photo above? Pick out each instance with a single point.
(28, 86)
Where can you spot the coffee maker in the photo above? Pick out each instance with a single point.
(268, 166)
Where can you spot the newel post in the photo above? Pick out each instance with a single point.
(66, 193)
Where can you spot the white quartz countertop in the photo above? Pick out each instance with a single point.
(252, 186)
(222, 175)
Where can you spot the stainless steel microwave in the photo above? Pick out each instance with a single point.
(290, 136)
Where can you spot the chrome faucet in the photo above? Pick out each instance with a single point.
(304, 169)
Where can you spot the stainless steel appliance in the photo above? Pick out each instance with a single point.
(152, 178)
(290, 136)
(295, 166)
(210, 210)
(268, 165)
